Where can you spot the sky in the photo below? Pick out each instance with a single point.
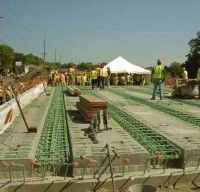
(97, 31)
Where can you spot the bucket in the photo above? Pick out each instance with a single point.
(142, 188)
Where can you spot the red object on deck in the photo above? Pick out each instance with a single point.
(89, 105)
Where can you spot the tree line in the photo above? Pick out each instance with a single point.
(8, 58)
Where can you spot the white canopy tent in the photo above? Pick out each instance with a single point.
(121, 65)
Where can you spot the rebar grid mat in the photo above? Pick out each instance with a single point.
(178, 114)
(148, 90)
(155, 143)
(54, 147)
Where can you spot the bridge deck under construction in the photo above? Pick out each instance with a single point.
(148, 136)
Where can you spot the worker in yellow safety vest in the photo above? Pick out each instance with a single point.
(78, 79)
(185, 74)
(93, 77)
(129, 79)
(198, 78)
(102, 73)
(71, 72)
(84, 79)
(157, 77)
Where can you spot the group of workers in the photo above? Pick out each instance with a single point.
(158, 76)
(97, 77)
(6, 92)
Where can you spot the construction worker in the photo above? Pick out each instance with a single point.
(71, 76)
(116, 79)
(52, 78)
(122, 80)
(143, 80)
(102, 73)
(129, 79)
(62, 79)
(157, 77)
(108, 76)
(78, 79)
(198, 78)
(93, 76)
(57, 79)
(1, 95)
(22, 87)
(84, 79)
(185, 74)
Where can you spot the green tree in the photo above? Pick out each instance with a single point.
(193, 57)
(32, 59)
(175, 69)
(6, 58)
(84, 66)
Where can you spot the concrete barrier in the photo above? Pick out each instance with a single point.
(9, 110)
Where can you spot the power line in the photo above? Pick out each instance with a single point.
(12, 29)
(16, 16)
(55, 55)
(44, 53)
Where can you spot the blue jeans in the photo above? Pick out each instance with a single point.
(157, 84)
(199, 87)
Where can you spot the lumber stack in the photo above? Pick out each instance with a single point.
(72, 90)
(89, 105)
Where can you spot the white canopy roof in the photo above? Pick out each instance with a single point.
(121, 65)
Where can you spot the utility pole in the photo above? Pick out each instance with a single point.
(44, 53)
(60, 59)
(55, 56)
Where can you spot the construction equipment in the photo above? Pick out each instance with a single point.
(98, 123)
(29, 129)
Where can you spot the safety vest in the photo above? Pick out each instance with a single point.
(102, 72)
(71, 71)
(93, 74)
(198, 74)
(84, 78)
(129, 78)
(78, 79)
(158, 70)
(185, 75)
